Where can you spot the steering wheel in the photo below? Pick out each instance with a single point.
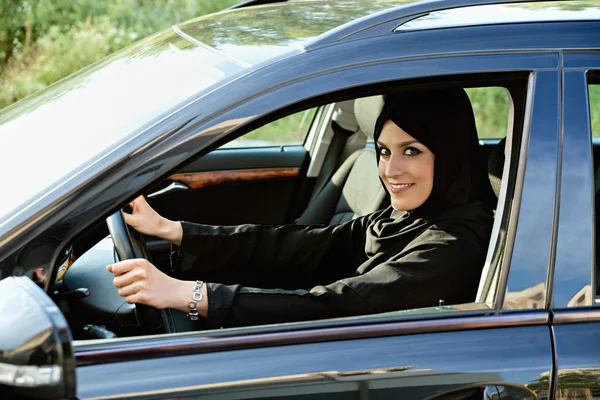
(130, 244)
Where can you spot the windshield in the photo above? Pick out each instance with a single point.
(49, 135)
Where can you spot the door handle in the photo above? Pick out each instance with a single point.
(173, 187)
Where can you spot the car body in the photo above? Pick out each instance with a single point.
(141, 120)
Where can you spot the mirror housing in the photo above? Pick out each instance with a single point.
(36, 352)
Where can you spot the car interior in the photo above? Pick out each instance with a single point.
(328, 177)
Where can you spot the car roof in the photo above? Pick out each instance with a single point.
(490, 14)
(255, 34)
(252, 34)
(439, 13)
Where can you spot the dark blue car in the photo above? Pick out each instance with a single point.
(251, 115)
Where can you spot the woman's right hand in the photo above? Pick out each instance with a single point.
(147, 221)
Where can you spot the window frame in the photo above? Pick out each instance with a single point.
(576, 253)
(439, 321)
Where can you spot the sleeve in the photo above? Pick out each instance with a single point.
(438, 265)
(298, 250)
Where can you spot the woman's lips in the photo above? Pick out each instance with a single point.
(400, 187)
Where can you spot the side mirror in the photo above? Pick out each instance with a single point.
(36, 353)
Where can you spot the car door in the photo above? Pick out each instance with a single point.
(576, 316)
(499, 346)
(258, 178)
(253, 179)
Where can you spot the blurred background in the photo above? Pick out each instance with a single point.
(42, 41)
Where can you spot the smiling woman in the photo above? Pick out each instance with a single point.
(405, 167)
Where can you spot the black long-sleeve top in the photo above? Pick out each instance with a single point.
(382, 262)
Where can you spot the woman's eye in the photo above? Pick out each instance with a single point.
(412, 151)
(384, 152)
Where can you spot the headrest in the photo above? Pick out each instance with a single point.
(344, 116)
(366, 111)
(496, 165)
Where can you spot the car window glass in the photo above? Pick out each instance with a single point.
(490, 106)
(286, 131)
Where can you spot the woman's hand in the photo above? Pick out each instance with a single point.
(140, 282)
(147, 221)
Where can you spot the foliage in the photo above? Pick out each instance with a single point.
(490, 106)
(594, 94)
(42, 41)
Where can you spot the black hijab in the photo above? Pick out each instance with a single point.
(443, 121)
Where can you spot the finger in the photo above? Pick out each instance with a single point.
(131, 299)
(139, 201)
(130, 290)
(129, 218)
(137, 298)
(135, 201)
(131, 277)
(122, 267)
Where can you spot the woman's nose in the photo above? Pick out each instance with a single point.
(395, 166)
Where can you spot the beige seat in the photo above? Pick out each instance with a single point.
(354, 190)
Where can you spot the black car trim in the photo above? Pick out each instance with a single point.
(574, 268)
(557, 190)
(199, 343)
(571, 316)
(251, 3)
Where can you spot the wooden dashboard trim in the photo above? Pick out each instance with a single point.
(202, 179)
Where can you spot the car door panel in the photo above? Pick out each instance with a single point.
(412, 366)
(238, 158)
(578, 355)
(231, 187)
(576, 317)
(234, 186)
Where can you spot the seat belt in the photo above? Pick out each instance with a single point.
(334, 152)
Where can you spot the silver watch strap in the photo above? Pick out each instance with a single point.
(196, 298)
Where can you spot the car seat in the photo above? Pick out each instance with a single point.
(354, 190)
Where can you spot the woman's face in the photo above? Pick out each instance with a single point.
(405, 166)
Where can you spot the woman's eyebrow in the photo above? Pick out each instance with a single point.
(401, 144)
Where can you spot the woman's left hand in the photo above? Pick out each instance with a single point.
(140, 282)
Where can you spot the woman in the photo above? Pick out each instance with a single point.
(428, 246)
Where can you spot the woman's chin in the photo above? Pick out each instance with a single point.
(403, 205)
(400, 206)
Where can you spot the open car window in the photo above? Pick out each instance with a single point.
(505, 123)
